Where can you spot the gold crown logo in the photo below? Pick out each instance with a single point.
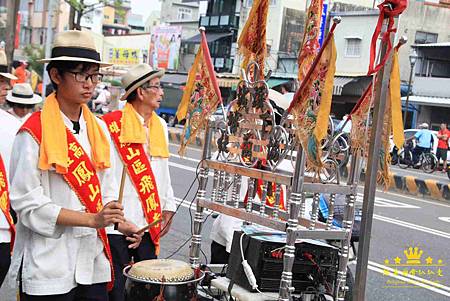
(413, 255)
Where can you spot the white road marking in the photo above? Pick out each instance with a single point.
(437, 203)
(412, 226)
(375, 216)
(184, 158)
(188, 168)
(444, 219)
(382, 202)
(417, 281)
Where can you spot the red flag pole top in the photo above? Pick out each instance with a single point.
(388, 9)
(209, 65)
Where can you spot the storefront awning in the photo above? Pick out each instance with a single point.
(339, 83)
(273, 82)
(443, 102)
(174, 79)
(228, 82)
(210, 37)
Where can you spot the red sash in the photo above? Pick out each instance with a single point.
(140, 171)
(270, 197)
(81, 177)
(4, 201)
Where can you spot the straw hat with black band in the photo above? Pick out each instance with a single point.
(75, 46)
(137, 76)
(23, 94)
(4, 66)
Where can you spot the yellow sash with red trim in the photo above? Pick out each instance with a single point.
(81, 177)
(4, 201)
(140, 171)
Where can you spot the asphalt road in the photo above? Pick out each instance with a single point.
(400, 222)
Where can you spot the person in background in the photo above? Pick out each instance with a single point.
(22, 101)
(8, 129)
(22, 74)
(102, 100)
(443, 146)
(424, 142)
(343, 126)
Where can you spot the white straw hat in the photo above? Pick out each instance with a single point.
(138, 75)
(75, 46)
(4, 66)
(23, 94)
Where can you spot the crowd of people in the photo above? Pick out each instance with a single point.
(64, 234)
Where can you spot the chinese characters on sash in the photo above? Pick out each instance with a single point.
(139, 169)
(81, 177)
(4, 200)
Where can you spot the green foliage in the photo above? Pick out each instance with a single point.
(113, 82)
(80, 8)
(33, 54)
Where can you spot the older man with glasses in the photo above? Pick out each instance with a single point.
(141, 144)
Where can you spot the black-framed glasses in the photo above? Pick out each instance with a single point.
(82, 77)
(160, 86)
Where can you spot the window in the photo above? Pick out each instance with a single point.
(423, 37)
(39, 5)
(184, 13)
(353, 47)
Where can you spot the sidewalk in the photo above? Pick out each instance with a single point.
(409, 181)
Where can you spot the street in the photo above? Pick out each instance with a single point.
(399, 222)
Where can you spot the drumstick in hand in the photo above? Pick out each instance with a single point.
(122, 185)
(142, 230)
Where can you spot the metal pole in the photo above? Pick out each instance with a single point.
(370, 185)
(11, 23)
(48, 42)
(405, 114)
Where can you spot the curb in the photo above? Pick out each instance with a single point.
(414, 186)
(406, 184)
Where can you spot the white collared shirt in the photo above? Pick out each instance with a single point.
(21, 119)
(8, 129)
(55, 258)
(131, 202)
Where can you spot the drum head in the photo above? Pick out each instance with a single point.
(162, 270)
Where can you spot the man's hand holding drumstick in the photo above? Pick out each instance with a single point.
(127, 228)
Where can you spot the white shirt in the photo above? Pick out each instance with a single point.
(103, 97)
(55, 258)
(131, 202)
(8, 129)
(21, 119)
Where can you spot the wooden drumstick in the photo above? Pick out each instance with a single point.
(122, 185)
(142, 230)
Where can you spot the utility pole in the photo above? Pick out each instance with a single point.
(11, 23)
(48, 41)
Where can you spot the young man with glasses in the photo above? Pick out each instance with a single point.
(63, 188)
(140, 139)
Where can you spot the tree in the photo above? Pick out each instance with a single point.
(34, 54)
(79, 8)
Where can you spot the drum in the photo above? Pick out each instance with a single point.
(161, 279)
